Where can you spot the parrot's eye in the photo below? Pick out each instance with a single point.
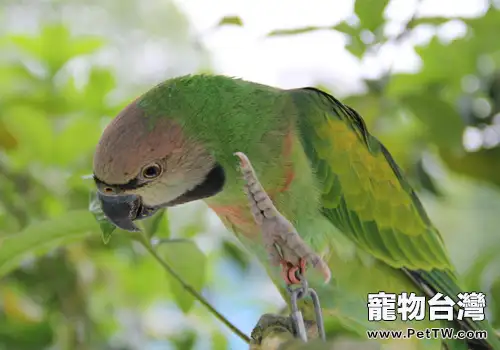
(151, 171)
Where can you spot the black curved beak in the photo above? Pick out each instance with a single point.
(123, 210)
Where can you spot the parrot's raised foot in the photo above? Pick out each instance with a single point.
(282, 241)
(272, 331)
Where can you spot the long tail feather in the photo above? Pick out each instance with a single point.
(432, 282)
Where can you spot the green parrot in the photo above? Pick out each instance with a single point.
(336, 183)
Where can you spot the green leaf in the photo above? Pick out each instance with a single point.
(197, 224)
(184, 341)
(370, 13)
(7, 140)
(484, 29)
(16, 77)
(40, 237)
(426, 180)
(101, 82)
(346, 28)
(356, 46)
(482, 165)
(191, 230)
(157, 225)
(435, 21)
(219, 341)
(472, 277)
(141, 280)
(86, 45)
(15, 334)
(444, 65)
(447, 62)
(230, 20)
(342, 27)
(54, 46)
(281, 32)
(189, 262)
(233, 252)
(106, 227)
(404, 84)
(70, 147)
(442, 121)
(27, 44)
(33, 131)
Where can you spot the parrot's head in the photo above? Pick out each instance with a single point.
(140, 167)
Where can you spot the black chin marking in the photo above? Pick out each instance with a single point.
(213, 184)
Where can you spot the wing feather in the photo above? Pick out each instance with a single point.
(365, 195)
(363, 190)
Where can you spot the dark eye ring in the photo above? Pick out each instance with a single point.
(152, 171)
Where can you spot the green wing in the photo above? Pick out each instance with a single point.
(364, 192)
(365, 195)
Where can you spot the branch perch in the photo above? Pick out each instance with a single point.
(274, 332)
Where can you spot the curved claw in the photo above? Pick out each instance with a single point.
(292, 274)
(277, 230)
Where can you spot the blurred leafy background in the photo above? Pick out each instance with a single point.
(424, 74)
